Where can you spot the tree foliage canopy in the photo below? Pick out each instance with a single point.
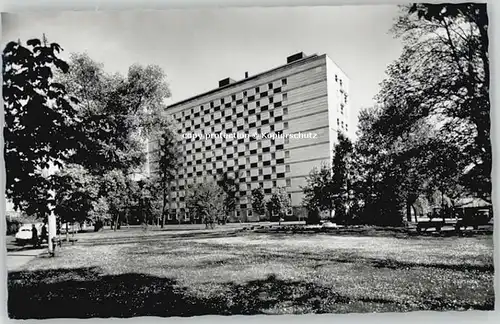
(258, 201)
(205, 200)
(442, 79)
(41, 129)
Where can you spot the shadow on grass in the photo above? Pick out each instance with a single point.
(146, 238)
(85, 293)
(326, 260)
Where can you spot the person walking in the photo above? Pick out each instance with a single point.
(34, 236)
(44, 235)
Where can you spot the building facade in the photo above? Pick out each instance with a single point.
(268, 130)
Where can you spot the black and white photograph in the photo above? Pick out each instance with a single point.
(248, 161)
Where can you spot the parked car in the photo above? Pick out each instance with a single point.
(24, 234)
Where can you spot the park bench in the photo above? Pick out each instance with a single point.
(425, 225)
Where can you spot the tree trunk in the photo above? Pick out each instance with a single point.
(164, 206)
(67, 232)
(162, 223)
(408, 211)
(116, 222)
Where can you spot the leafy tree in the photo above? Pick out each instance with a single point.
(391, 174)
(205, 201)
(99, 212)
(341, 177)
(318, 193)
(118, 113)
(258, 201)
(279, 203)
(152, 191)
(168, 162)
(330, 188)
(41, 129)
(144, 198)
(229, 184)
(115, 187)
(443, 77)
(77, 191)
(430, 130)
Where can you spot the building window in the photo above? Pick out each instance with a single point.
(274, 183)
(287, 154)
(285, 96)
(287, 140)
(288, 182)
(287, 168)
(283, 81)
(285, 125)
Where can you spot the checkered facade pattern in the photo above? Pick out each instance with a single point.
(294, 98)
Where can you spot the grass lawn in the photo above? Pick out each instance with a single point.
(253, 273)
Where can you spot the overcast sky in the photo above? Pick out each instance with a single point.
(197, 48)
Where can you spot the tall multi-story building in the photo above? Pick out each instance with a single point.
(303, 103)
